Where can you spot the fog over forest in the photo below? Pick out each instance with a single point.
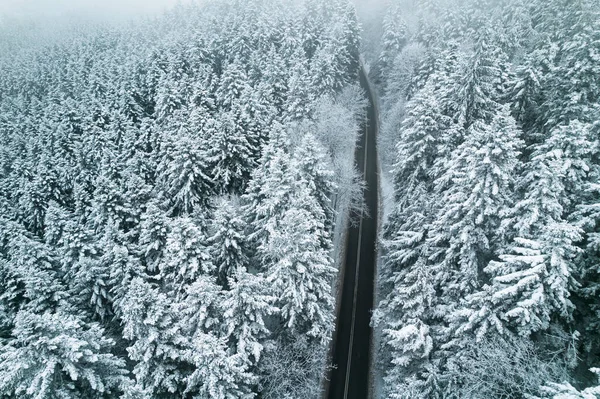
(23, 9)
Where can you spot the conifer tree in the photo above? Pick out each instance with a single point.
(300, 98)
(248, 304)
(57, 355)
(394, 38)
(231, 156)
(269, 190)
(174, 350)
(476, 94)
(154, 229)
(183, 182)
(424, 133)
(186, 254)
(300, 269)
(31, 272)
(227, 243)
(233, 82)
(479, 178)
(313, 166)
(405, 315)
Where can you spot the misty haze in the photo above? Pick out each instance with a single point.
(40, 9)
(299, 199)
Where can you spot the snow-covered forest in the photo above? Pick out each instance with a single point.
(170, 191)
(490, 286)
(176, 191)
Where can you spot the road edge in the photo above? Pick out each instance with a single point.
(380, 215)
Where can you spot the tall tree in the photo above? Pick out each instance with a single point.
(227, 242)
(56, 354)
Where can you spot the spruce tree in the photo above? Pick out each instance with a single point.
(227, 242)
(300, 269)
(54, 354)
(183, 180)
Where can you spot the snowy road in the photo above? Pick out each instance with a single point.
(351, 349)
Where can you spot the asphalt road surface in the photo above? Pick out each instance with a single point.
(351, 348)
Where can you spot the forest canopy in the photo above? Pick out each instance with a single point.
(169, 195)
(491, 273)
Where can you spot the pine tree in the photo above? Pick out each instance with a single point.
(170, 97)
(217, 372)
(479, 178)
(404, 315)
(325, 70)
(424, 132)
(84, 270)
(532, 285)
(37, 190)
(269, 190)
(275, 75)
(233, 82)
(120, 259)
(57, 355)
(394, 38)
(30, 270)
(183, 181)
(313, 166)
(300, 97)
(247, 305)
(154, 229)
(571, 88)
(157, 348)
(475, 95)
(227, 243)
(557, 167)
(230, 157)
(525, 95)
(292, 240)
(300, 270)
(174, 350)
(186, 254)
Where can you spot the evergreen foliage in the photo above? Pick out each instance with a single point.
(166, 214)
(490, 250)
